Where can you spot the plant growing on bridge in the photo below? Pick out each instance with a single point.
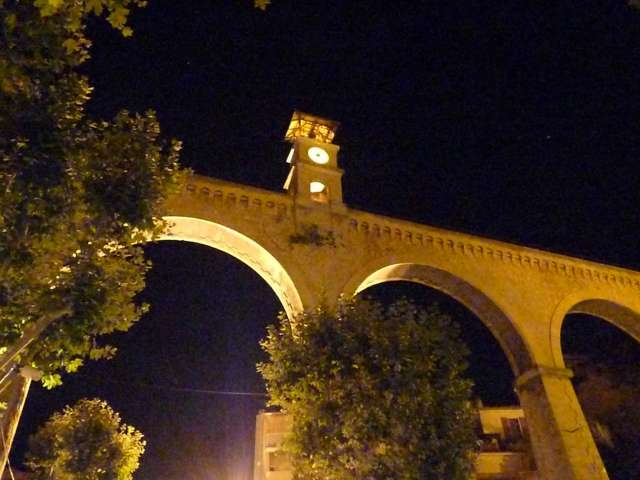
(374, 393)
(313, 235)
(77, 195)
(87, 441)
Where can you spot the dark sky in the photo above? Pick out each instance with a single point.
(504, 120)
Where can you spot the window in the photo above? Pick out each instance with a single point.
(319, 192)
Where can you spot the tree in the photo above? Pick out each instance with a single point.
(78, 195)
(373, 393)
(608, 389)
(87, 441)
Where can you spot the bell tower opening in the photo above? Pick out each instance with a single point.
(314, 178)
(319, 192)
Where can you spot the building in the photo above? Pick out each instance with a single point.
(502, 433)
(269, 463)
(505, 451)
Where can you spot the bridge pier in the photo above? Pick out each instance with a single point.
(560, 437)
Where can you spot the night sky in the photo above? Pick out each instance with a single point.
(508, 121)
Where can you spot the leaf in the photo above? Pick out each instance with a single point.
(71, 45)
(10, 21)
(261, 4)
(48, 7)
(51, 380)
(118, 16)
(74, 365)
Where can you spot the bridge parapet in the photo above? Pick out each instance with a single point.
(227, 196)
(390, 230)
(234, 200)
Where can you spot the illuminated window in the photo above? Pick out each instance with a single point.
(319, 192)
(317, 187)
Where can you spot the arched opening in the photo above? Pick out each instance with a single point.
(500, 326)
(488, 365)
(498, 355)
(605, 358)
(502, 432)
(185, 374)
(241, 247)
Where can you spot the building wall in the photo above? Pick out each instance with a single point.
(269, 461)
(504, 454)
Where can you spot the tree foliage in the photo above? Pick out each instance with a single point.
(77, 195)
(374, 393)
(87, 441)
(608, 390)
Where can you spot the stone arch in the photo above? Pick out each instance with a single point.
(243, 248)
(617, 314)
(498, 323)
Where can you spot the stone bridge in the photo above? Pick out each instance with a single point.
(311, 249)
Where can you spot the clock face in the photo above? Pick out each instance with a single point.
(318, 155)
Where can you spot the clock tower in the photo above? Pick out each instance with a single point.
(314, 178)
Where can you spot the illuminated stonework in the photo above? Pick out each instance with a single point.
(521, 294)
(310, 247)
(311, 126)
(314, 176)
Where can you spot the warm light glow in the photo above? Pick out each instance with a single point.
(290, 156)
(317, 187)
(309, 126)
(287, 182)
(318, 155)
(319, 192)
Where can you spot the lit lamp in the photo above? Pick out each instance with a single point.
(314, 177)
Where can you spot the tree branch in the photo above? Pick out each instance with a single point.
(32, 332)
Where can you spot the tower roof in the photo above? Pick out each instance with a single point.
(310, 126)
